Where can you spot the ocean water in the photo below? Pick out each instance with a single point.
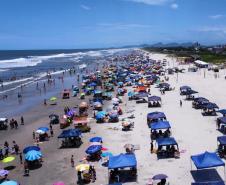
(26, 66)
(20, 71)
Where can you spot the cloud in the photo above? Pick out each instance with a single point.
(218, 16)
(85, 7)
(174, 6)
(123, 26)
(152, 2)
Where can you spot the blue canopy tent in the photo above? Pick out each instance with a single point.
(189, 92)
(207, 160)
(221, 120)
(210, 105)
(159, 125)
(154, 98)
(185, 88)
(93, 149)
(222, 140)
(222, 111)
(166, 141)
(70, 133)
(155, 116)
(201, 99)
(122, 161)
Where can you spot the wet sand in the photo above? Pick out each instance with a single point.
(194, 133)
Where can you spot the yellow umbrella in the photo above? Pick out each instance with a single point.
(8, 159)
(82, 167)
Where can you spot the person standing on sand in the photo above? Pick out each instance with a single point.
(180, 103)
(22, 120)
(16, 124)
(21, 158)
(33, 134)
(45, 102)
(51, 132)
(152, 147)
(72, 161)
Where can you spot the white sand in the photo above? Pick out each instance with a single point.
(194, 133)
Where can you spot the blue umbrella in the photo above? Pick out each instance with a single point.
(93, 84)
(93, 149)
(130, 94)
(120, 83)
(97, 103)
(101, 115)
(44, 129)
(113, 114)
(33, 155)
(97, 92)
(29, 148)
(95, 139)
(9, 183)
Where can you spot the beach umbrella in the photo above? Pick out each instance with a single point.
(159, 177)
(101, 115)
(97, 104)
(44, 129)
(82, 94)
(29, 148)
(9, 183)
(58, 183)
(71, 113)
(95, 139)
(130, 94)
(113, 114)
(93, 84)
(106, 154)
(82, 167)
(3, 173)
(33, 155)
(95, 143)
(93, 149)
(83, 105)
(8, 159)
(53, 98)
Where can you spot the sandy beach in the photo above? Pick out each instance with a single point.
(194, 133)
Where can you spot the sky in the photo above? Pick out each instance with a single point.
(64, 24)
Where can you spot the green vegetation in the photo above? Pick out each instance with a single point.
(203, 53)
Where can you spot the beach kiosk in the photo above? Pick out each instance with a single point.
(154, 101)
(207, 160)
(121, 166)
(167, 148)
(70, 138)
(157, 127)
(155, 117)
